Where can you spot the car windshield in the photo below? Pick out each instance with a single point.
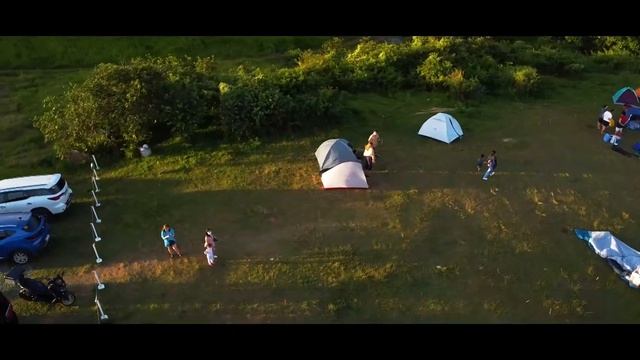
(32, 224)
(58, 186)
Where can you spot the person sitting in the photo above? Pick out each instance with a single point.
(355, 152)
(145, 150)
(615, 139)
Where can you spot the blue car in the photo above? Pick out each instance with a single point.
(22, 236)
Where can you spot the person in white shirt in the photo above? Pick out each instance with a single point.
(605, 121)
(369, 156)
(210, 247)
(211, 256)
(374, 138)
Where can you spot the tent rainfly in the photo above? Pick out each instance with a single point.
(626, 96)
(333, 152)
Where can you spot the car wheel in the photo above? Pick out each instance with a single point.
(20, 257)
(41, 212)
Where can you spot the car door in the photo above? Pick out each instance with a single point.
(5, 248)
(17, 201)
(3, 200)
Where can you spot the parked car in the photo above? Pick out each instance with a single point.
(43, 195)
(22, 236)
(7, 315)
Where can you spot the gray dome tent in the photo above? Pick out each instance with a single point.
(334, 152)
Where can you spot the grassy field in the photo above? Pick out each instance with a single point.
(429, 242)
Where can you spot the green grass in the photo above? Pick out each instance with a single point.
(429, 242)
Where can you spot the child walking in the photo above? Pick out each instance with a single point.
(211, 255)
(480, 162)
(210, 247)
(492, 163)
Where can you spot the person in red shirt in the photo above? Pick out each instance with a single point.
(622, 122)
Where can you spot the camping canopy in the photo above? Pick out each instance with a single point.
(333, 152)
(626, 96)
(347, 175)
(625, 258)
(441, 126)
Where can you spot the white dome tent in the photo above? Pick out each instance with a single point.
(441, 126)
(339, 166)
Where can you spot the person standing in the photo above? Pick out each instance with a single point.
(210, 247)
(209, 251)
(492, 164)
(600, 122)
(605, 122)
(374, 139)
(168, 235)
(480, 162)
(622, 122)
(369, 156)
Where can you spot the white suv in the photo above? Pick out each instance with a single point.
(42, 195)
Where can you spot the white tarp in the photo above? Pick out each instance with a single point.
(609, 247)
(345, 176)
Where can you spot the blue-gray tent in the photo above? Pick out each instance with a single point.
(334, 152)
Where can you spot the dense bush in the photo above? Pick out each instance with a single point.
(525, 80)
(119, 107)
(460, 86)
(256, 106)
(435, 71)
(618, 45)
(379, 66)
(150, 99)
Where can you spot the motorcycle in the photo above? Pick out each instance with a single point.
(34, 290)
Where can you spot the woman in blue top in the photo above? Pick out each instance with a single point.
(168, 235)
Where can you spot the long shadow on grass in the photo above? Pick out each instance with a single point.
(248, 222)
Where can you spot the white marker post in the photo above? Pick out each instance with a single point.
(95, 184)
(95, 214)
(95, 198)
(100, 284)
(98, 259)
(95, 174)
(95, 233)
(95, 161)
(103, 316)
